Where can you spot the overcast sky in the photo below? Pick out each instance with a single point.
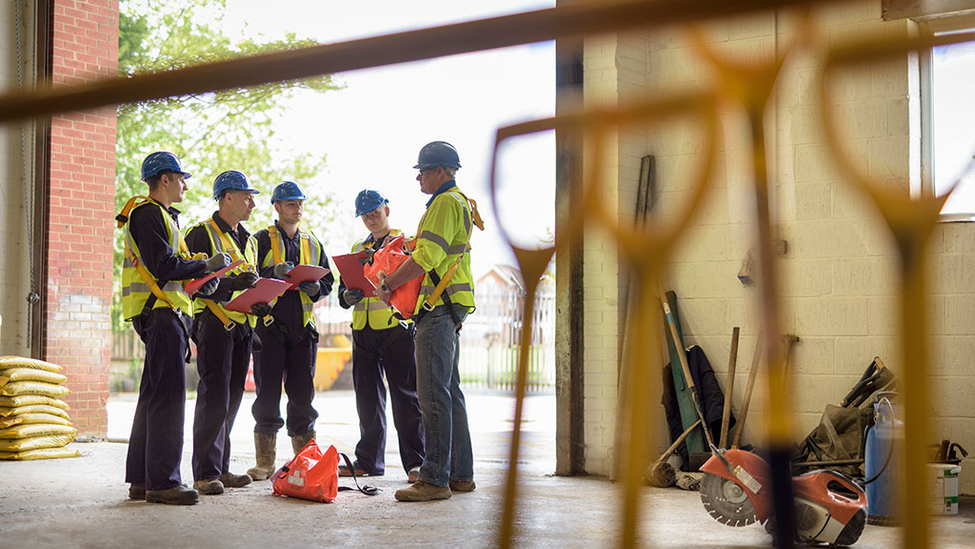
(373, 129)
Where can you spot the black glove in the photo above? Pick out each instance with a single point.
(310, 287)
(261, 309)
(352, 296)
(208, 288)
(244, 280)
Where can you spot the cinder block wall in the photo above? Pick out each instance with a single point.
(838, 279)
(81, 220)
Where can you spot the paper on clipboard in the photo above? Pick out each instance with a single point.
(306, 273)
(197, 283)
(266, 290)
(350, 267)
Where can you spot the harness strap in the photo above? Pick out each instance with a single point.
(228, 324)
(441, 284)
(365, 489)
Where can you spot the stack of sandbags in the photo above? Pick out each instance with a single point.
(34, 421)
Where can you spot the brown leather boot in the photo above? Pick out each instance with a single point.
(298, 442)
(264, 444)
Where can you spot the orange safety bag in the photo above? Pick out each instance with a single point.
(313, 475)
(385, 262)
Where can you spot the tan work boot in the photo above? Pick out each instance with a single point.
(230, 480)
(264, 444)
(461, 485)
(207, 487)
(298, 442)
(422, 491)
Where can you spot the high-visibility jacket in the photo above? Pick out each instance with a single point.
(138, 283)
(443, 236)
(221, 242)
(371, 310)
(309, 253)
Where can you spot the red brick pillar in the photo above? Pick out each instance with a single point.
(80, 222)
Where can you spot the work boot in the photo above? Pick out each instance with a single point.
(231, 480)
(265, 444)
(298, 442)
(461, 485)
(177, 495)
(209, 487)
(137, 490)
(413, 475)
(422, 491)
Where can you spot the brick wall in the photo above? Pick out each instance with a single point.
(82, 191)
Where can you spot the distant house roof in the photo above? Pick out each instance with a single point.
(504, 275)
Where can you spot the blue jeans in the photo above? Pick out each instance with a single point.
(448, 438)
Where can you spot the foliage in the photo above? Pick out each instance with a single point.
(212, 132)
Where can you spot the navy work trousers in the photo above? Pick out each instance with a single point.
(222, 358)
(156, 441)
(286, 355)
(371, 357)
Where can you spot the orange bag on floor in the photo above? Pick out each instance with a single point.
(386, 260)
(310, 475)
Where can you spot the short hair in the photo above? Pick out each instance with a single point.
(154, 181)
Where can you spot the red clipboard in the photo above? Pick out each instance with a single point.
(350, 268)
(194, 286)
(306, 273)
(266, 290)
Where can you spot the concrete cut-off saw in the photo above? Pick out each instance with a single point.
(737, 490)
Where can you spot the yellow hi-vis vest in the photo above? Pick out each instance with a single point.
(220, 242)
(370, 310)
(137, 282)
(442, 240)
(309, 253)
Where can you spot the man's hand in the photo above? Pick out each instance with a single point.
(244, 280)
(310, 287)
(208, 288)
(281, 270)
(217, 262)
(261, 309)
(383, 292)
(352, 296)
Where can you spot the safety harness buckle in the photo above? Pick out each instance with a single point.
(230, 326)
(427, 306)
(268, 320)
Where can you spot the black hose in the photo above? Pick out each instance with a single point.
(890, 451)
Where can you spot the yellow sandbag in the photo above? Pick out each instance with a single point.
(34, 443)
(25, 419)
(28, 400)
(44, 453)
(22, 362)
(18, 388)
(36, 430)
(33, 409)
(29, 374)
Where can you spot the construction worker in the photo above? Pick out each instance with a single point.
(153, 299)
(381, 343)
(446, 298)
(223, 337)
(289, 339)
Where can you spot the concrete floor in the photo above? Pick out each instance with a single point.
(82, 502)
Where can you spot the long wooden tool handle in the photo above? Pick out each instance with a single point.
(687, 371)
(677, 442)
(729, 387)
(748, 391)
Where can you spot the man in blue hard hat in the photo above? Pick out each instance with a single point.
(381, 344)
(153, 299)
(440, 255)
(288, 337)
(223, 337)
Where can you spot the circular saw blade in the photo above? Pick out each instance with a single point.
(726, 501)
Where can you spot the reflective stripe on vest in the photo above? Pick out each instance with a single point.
(138, 283)
(371, 310)
(309, 253)
(460, 286)
(220, 242)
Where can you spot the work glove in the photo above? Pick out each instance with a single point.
(217, 262)
(281, 270)
(244, 280)
(261, 309)
(208, 288)
(352, 296)
(310, 287)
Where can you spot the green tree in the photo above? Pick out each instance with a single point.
(212, 132)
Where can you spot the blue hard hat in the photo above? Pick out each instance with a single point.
(231, 180)
(436, 154)
(368, 200)
(162, 161)
(287, 190)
